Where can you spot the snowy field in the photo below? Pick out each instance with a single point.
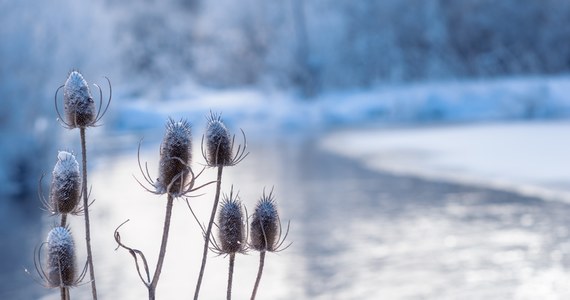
(530, 158)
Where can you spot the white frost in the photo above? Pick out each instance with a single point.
(66, 164)
(76, 87)
(60, 238)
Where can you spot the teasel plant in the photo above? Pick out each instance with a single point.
(218, 153)
(80, 111)
(232, 232)
(65, 188)
(266, 234)
(176, 179)
(60, 269)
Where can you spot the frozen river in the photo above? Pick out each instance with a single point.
(356, 233)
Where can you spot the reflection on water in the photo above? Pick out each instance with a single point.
(356, 234)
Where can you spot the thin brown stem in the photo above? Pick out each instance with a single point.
(63, 220)
(208, 232)
(86, 214)
(63, 292)
(231, 275)
(162, 253)
(259, 273)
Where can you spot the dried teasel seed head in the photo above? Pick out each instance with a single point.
(231, 225)
(264, 230)
(61, 269)
(79, 106)
(218, 142)
(65, 188)
(175, 158)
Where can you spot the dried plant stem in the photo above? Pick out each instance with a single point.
(208, 232)
(63, 220)
(162, 253)
(231, 275)
(259, 273)
(64, 293)
(86, 214)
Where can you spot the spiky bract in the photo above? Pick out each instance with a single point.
(232, 230)
(65, 190)
(264, 232)
(175, 158)
(218, 142)
(61, 268)
(79, 106)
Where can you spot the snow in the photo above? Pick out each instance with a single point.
(59, 239)
(76, 88)
(66, 165)
(530, 158)
(259, 111)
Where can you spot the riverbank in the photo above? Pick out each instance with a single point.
(529, 158)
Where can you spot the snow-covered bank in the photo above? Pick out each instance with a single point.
(430, 102)
(532, 158)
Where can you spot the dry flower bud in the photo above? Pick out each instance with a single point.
(175, 158)
(79, 106)
(61, 269)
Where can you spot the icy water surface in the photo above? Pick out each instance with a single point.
(356, 234)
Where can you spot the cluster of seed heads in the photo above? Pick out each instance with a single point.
(175, 158)
(61, 266)
(232, 233)
(78, 104)
(65, 189)
(218, 143)
(60, 270)
(219, 150)
(265, 230)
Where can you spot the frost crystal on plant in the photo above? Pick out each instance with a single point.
(79, 106)
(175, 158)
(66, 184)
(61, 258)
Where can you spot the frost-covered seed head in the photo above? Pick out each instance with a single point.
(218, 142)
(230, 222)
(175, 158)
(65, 188)
(264, 232)
(79, 106)
(61, 258)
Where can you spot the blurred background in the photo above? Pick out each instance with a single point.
(419, 147)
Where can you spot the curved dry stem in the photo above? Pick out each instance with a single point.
(60, 119)
(100, 114)
(135, 253)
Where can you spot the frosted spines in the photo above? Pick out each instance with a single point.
(175, 158)
(79, 106)
(61, 266)
(65, 190)
(265, 230)
(220, 144)
(232, 233)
